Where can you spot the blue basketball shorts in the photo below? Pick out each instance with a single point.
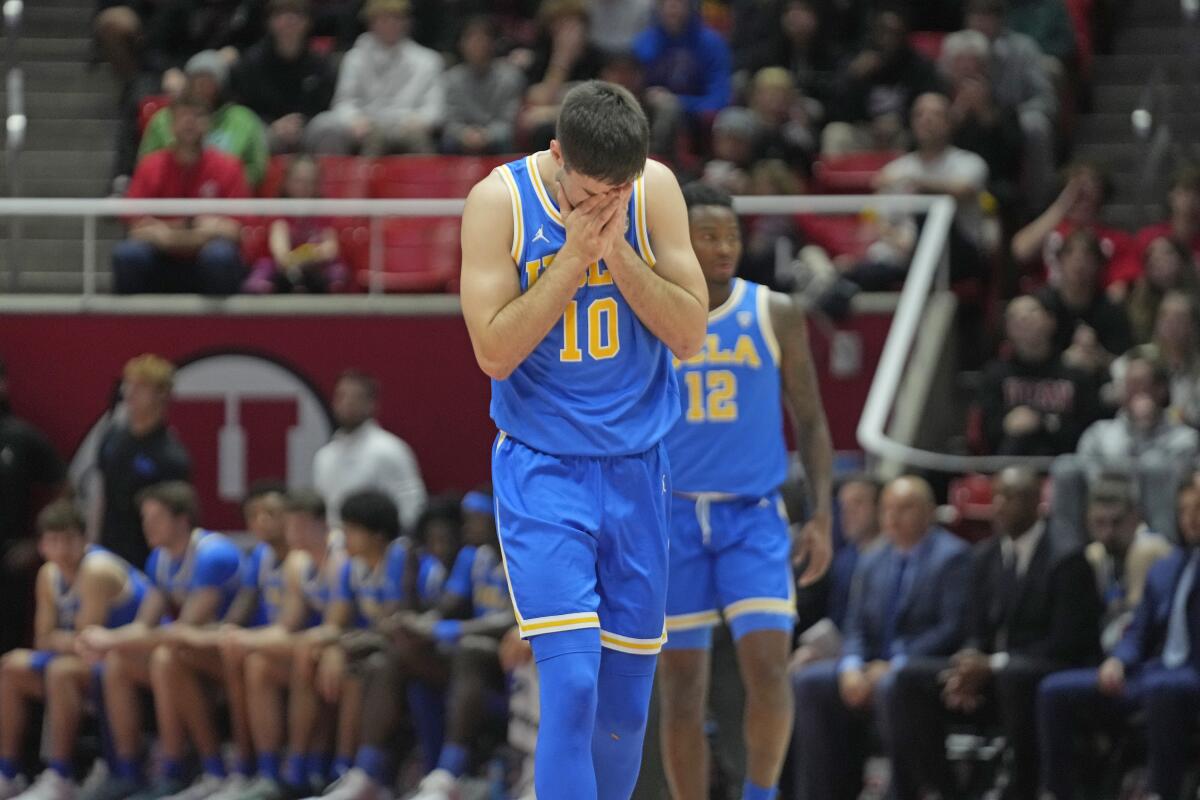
(731, 557)
(584, 542)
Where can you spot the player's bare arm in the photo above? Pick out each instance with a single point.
(671, 299)
(505, 324)
(803, 400)
(96, 640)
(278, 638)
(100, 582)
(45, 635)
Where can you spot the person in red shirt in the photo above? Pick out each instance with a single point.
(1077, 207)
(190, 254)
(1183, 222)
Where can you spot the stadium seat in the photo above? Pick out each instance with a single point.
(838, 234)
(419, 255)
(427, 176)
(852, 173)
(342, 177)
(970, 497)
(150, 106)
(255, 242)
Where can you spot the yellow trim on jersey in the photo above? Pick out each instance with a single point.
(765, 326)
(627, 644)
(535, 177)
(732, 302)
(700, 619)
(518, 244)
(760, 605)
(639, 219)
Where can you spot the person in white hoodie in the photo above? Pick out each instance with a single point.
(389, 96)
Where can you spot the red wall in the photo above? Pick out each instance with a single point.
(63, 370)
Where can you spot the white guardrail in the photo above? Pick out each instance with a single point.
(929, 265)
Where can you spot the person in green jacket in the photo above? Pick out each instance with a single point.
(235, 130)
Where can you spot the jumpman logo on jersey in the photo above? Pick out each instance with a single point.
(540, 236)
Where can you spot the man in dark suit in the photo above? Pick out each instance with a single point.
(1155, 667)
(1033, 608)
(907, 601)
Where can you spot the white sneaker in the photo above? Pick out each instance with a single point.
(95, 777)
(11, 787)
(233, 788)
(51, 786)
(203, 788)
(437, 785)
(355, 785)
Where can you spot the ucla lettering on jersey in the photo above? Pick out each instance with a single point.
(123, 607)
(600, 383)
(372, 589)
(731, 395)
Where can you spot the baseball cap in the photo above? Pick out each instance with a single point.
(210, 62)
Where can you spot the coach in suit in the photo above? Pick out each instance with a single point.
(1155, 666)
(907, 601)
(1033, 608)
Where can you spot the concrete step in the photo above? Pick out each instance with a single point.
(70, 164)
(1152, 12)
(90, 135)
(49, 282)
(44, 20)
(1173, 68)
(66, 76)
(1153, 40)
(69, 105)
(1124, 98)
(1118, 128)
(53, 48)
(64, 229)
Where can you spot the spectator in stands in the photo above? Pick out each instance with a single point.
(1032, 610)
(561, 56)
(118, 27)
(937, 167)
(828, 600)
(1166, 266)
(1141, 441)
(764, 235)
(136, 453)
(1154, 669)
(283, 81)
(908, 600)
(877, 88)
(483, 95)
(1079, 205)
(785, 118)
(173, 254)
(981, 125)
(233, 128)
(1182, 224)
(735, 135)
(304, 255)
(29, 465)
(1021, 83)
(1120, 549)
(796, 40)
(389, 96)
(362, 455)
(1091, 329)
(684, 56)
(1176, 344)
(1047, 22)
(1031, 403)
(662, 108)
(614, 24)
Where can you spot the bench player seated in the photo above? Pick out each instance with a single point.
(188, 665)
(371, 586)
(80, 585)
(456, 638)
(316, 559)
(195, 576)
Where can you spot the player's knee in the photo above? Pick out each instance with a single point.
(14, 664)
(681, 685)
(64, 670)
(575, 688)
(765, 675)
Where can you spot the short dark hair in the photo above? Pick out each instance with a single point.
(444, 508)
(1148, 354)
(1082, 237)
(306, 501)
(373, 511)
(367, 382)
(61, 515)
(603, 132)
(177, 496)
(698, 193)
(862, 479)
(262, 489)
(479, 22)
(1114, 489)
(994, 8)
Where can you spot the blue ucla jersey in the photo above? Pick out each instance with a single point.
(262, 572)
(320, 585)
(211, 561)
(478, 574)
(600, 383)
(372, 589)
(730, 436)
(124, 606)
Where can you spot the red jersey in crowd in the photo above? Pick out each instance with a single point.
(1116, 244)
(214, 175)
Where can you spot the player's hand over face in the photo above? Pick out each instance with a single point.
(585, 225)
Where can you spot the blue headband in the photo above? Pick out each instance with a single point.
(478, 502)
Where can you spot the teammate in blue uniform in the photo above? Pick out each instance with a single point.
(188, 665)
(578, 283)
(79, 585)
(730, 544)
(312, 572)
(195, 575)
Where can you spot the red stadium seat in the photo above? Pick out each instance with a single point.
(927, 43)
(427, 176)
(149, 107)
(838, 234)
(852, 173)
(971, 498)
(342, 177)
(419, 255)
(255, 242)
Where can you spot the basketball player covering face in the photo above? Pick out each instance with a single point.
(579, 283)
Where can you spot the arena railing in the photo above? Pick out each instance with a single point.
(928, 276)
